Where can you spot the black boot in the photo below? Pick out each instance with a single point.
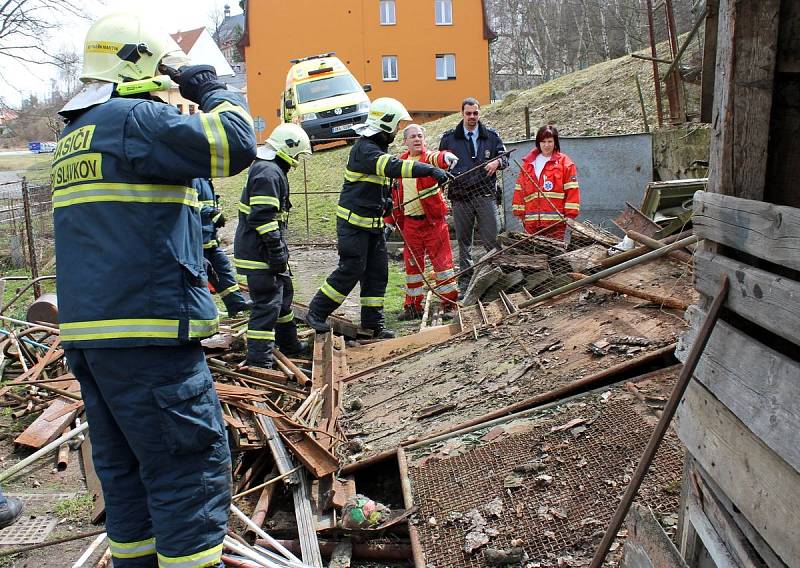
(259, 354)
(234, 311)
(10, 511)
(317, 321)
(382, 333)
(299, 348)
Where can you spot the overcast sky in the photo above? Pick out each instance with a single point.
(173, 15)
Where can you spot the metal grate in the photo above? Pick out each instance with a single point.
(566, 518)
(28, 530)
(36, 498)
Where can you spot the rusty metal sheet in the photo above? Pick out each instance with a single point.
(631, 219)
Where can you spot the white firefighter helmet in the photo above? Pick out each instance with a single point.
(123, 47)
(287, 141)
(384, 115)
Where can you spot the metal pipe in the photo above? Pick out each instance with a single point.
(692, 359)
(260, 532)
(664, 301)
(653, 244)
(80, 562)
(654, 54)
(647, 257)
(43, 452)
(408, 501)
(686, 43)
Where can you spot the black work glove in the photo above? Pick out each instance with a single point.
(196, 81)
(278, 259)
(218, 218)
(441, 176)
(387, 206)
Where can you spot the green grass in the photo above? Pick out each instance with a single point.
(76, 509)
(35, 167)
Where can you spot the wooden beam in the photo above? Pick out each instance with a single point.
(746, 52)
(766, 231)
(760, 484)
(757, 384)
(709, 61)
(771, 301)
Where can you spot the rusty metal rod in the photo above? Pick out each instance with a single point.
(408, 501)
(692, 359)
(653, 244)
(665, 301)
(639, 251)
(377, 551)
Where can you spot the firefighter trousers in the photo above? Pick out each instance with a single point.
(272, 318)
(160, 452)
(223, 279)
(362, 259)
(432, 239)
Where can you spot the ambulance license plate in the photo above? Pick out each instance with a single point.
(341, 128)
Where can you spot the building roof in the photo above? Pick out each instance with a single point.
(187, 39)
(228, 27)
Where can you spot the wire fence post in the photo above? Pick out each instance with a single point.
(305, 193)
(26, 204)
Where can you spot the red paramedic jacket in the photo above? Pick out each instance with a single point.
(432, 202)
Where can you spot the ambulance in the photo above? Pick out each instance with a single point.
(323, 97)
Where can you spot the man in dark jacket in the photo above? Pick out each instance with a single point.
(364, 201)
(474, 196)
(132, 291)
(260, 250)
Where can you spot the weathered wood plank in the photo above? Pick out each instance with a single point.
(771, 301)
(760, 386)
(51, 423)
(766, 231)
(747, 40)
(92, 481)
(764, 488)
(709, 60)
(647, 545)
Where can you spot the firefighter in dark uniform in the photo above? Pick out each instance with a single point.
(132, 291)
(365, 199)
(220, 272)
(260, 250)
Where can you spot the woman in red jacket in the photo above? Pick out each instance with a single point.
(547, 187)
(420, 215)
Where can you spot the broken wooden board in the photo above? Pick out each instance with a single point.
(365, 356)
(52, 422)
(339, 325)
(92, 481)
(313, 455)
(579, 260)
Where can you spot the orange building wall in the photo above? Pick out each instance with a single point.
(352, 29)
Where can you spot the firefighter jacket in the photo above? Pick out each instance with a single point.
(127, 228)
(432, 202)
(209, 211)
(366, 196)
(263, 212)
(541, 202)
(475, 183)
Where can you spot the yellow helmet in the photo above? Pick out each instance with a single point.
(123, 47)
(384, 115)
(288, 141)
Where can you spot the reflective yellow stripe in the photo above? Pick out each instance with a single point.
(380, 166)
(518, 208)
(119, 329)
(405, 171)
(415, 291)
(230, 107)
(260, 334)
(542, 194)
(426, 193)
(265, 200)
(250, 264)
(267, 227)
(208, 557)
(575, 206)
(332, 293)
(210, 244)
(287, 318)
(352, 176)
(433, 158)
(518, 187)
(244, 208)
(358, 220)
(203, 328)
(208, 203)
(571, 185)
(217, 144)
(542, 217)
(132, 549)
(125, 192)
(372, 301)
(228, 291)
(446, 287)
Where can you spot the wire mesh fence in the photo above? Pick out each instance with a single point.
(26, 230)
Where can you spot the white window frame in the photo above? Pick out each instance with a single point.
(445, 74)
(388, 12)
(443, 9)
(386, 72)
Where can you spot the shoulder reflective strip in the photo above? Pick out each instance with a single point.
(203, 328)
(571, 185)
(405, 171)
(132, 549)
(119, 329)
(265, 200)
(244, 208)
(358, 220)
(380, 166)
(372, 301)
(413, 278)
(250, 264)
(217, 143)
(230, 107)
(267, 227)
(287, 318)
(575, 206)
(332, 293)
(124, 192)
(353, 177)
(229, 291)
(414, 292)
(208, 557)
(260, 334)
